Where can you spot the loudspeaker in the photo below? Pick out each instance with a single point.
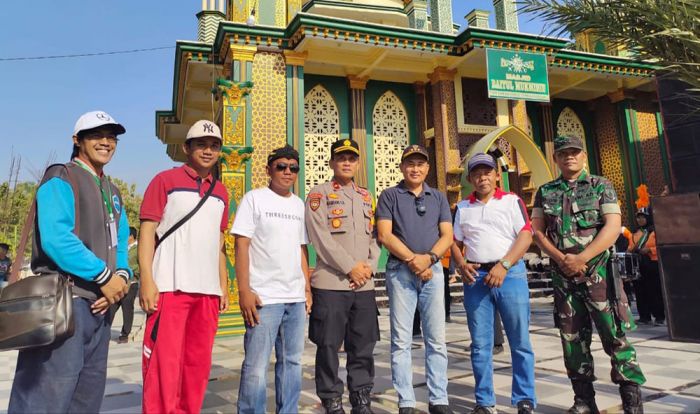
(676, 218)
(679, 107)
(680, 281)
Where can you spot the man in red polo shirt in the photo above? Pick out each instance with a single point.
(183, 279)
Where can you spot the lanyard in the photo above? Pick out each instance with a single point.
(105, 198)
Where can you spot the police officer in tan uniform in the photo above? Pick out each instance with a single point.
(340, 225)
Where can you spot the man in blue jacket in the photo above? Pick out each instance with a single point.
(81, 231)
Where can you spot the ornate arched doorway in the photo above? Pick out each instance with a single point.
(523, 144)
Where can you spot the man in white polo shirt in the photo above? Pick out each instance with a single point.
(495, 229)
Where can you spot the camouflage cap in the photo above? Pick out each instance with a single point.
(564, 142)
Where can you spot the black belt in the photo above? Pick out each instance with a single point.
(485, 266)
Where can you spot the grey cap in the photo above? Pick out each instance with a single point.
(481, 159)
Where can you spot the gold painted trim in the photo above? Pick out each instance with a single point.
(243, 53)
(475, 129)
(522, 142)
(295, 58)
(441, 73)
(358, 82)
(429, 133)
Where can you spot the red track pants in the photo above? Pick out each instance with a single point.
(177, 347)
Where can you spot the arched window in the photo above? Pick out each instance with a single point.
(570, 124)
(321, 129)
(390, 132)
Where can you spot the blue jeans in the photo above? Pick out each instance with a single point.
(405, 292)
(67, 377)
(512, 300)
(281, 325)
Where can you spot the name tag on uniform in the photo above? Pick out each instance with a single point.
(112, 232)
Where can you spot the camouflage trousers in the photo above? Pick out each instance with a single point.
(575, 305)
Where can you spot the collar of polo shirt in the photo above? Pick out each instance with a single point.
(497, 195)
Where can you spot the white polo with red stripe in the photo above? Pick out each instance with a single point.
(488, 230)
(188, 260)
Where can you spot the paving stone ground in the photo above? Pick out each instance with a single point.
(672, 370)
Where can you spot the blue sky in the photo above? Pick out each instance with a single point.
(40, 100)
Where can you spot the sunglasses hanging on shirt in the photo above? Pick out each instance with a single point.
(420, 205)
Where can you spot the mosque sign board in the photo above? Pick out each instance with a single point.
(517, 75)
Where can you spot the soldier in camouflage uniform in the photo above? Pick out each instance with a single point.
(576, 219)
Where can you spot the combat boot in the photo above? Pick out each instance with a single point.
(631, 398)
(361, 401)
(584, 398)
(333, 405)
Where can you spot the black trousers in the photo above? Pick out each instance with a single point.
(647, 291)
(127, 305)
(347, 317)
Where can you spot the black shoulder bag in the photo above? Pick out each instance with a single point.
(188, 216)
(38, 310)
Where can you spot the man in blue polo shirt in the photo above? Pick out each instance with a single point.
(414, 223)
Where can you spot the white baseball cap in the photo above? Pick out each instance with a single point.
(95, 119)
(204, 128)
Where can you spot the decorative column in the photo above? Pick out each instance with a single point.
(446, 147)
(441, 16)
(548, 135)
(506, 15)
(628, 140)
(507, 19)
(417, 12)
(208, 22)
(478, 18)
(235, 168)
(359, 126)
(293, 7)
(419, 89)
(295, 109)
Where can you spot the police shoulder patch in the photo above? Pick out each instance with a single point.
(315, 201)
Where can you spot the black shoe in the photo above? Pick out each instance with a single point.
(407, 410)
(584, 398)
(333, 405)
(641, 321)
(439, 409)
(497, 349)
(660, 322)
(525, 407)
(631, 395)
(123, 339)
(361, 401)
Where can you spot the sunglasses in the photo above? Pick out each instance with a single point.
(420, 206)
(281, 166)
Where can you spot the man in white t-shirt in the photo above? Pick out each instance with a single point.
(273, 285)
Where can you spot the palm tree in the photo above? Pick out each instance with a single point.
(666, 32)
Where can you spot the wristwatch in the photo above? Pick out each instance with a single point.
(433, 258)
(506, 264)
